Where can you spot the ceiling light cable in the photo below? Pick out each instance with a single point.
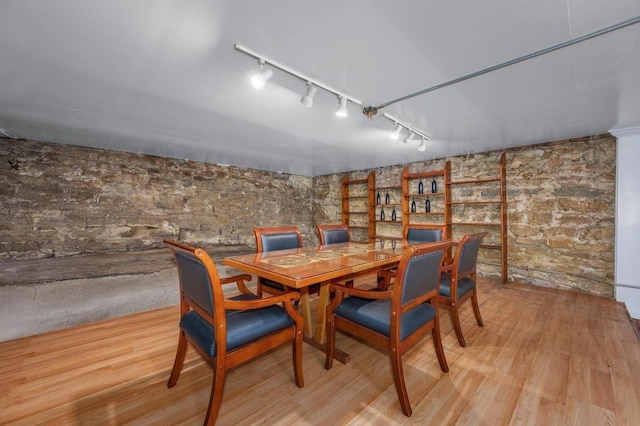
(370, 111)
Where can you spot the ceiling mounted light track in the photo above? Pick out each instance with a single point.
(260, 79)
(308, 80)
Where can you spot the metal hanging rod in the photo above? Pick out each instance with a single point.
(370, 111)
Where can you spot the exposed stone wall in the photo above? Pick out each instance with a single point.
(61, 200)
(561, 210)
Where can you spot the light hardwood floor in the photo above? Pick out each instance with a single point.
(544, 357)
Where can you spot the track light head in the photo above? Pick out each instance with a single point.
(260, 79)
(409, 137)
(342, 107)
(423, 145)
(395, 135)
(307, 99)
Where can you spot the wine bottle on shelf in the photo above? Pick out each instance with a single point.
(420, 187)
(434, 186)
(393, 213)
(378, 198)
(387, 199)
(381, 213)
(413, 205)
(427, 205)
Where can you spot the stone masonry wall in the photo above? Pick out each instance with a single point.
(561, 210)
(61, 200)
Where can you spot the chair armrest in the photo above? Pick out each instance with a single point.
(239, 280)
(262, 303)
(365, 294)
(386, 276)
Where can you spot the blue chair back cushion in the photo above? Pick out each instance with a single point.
(421, 275)
(273, 242)
(243, 326)
(334, 236)
(376, 315)
(195, 280)
(465, 285)
(469, 256)
(424, 235)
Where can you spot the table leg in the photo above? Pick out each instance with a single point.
(323, 301)
(305, 306)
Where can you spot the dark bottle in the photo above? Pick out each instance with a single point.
(427, 205)
(393, 213)
(381, 214)
(420, 187)
(387, 198)
(378, 198)
(434, 186)
(413, 205)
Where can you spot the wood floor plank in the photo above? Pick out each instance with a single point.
(544, 356)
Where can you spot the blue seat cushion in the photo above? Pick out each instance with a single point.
(243, 326)
(376, 315)
(465, 285)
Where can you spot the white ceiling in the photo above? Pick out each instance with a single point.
(162, 77)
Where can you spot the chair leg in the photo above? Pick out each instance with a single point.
(331, 342)
(455, 319)
(398, 380)
(297, 358)
(437, 344)
(179, 360)
(217, 388)
(476, 308)
(259, 289)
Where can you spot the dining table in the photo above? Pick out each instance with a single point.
(302, 267)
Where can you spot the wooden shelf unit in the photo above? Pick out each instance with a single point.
(366, 194)
(396, 191)
(501, 222)
(410, 192)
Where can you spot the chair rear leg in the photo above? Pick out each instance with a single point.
(297, 357)
(217, 388)
(398, 380)
(179, 360)
(455, 319)
(331, 342)
(437, 344)
(476, 308)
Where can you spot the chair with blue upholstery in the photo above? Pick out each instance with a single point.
(228, 332)
(459, 284)
(425, 233)
(395, 319)
(416, 233)
(272, 239)
(333, 234)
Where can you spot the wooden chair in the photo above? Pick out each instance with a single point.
(272, 239)
(228, 332)
(333, 234)
(396, 319)
(424, 233)
(460, 284)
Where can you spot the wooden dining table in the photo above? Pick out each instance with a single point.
(302, 267)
